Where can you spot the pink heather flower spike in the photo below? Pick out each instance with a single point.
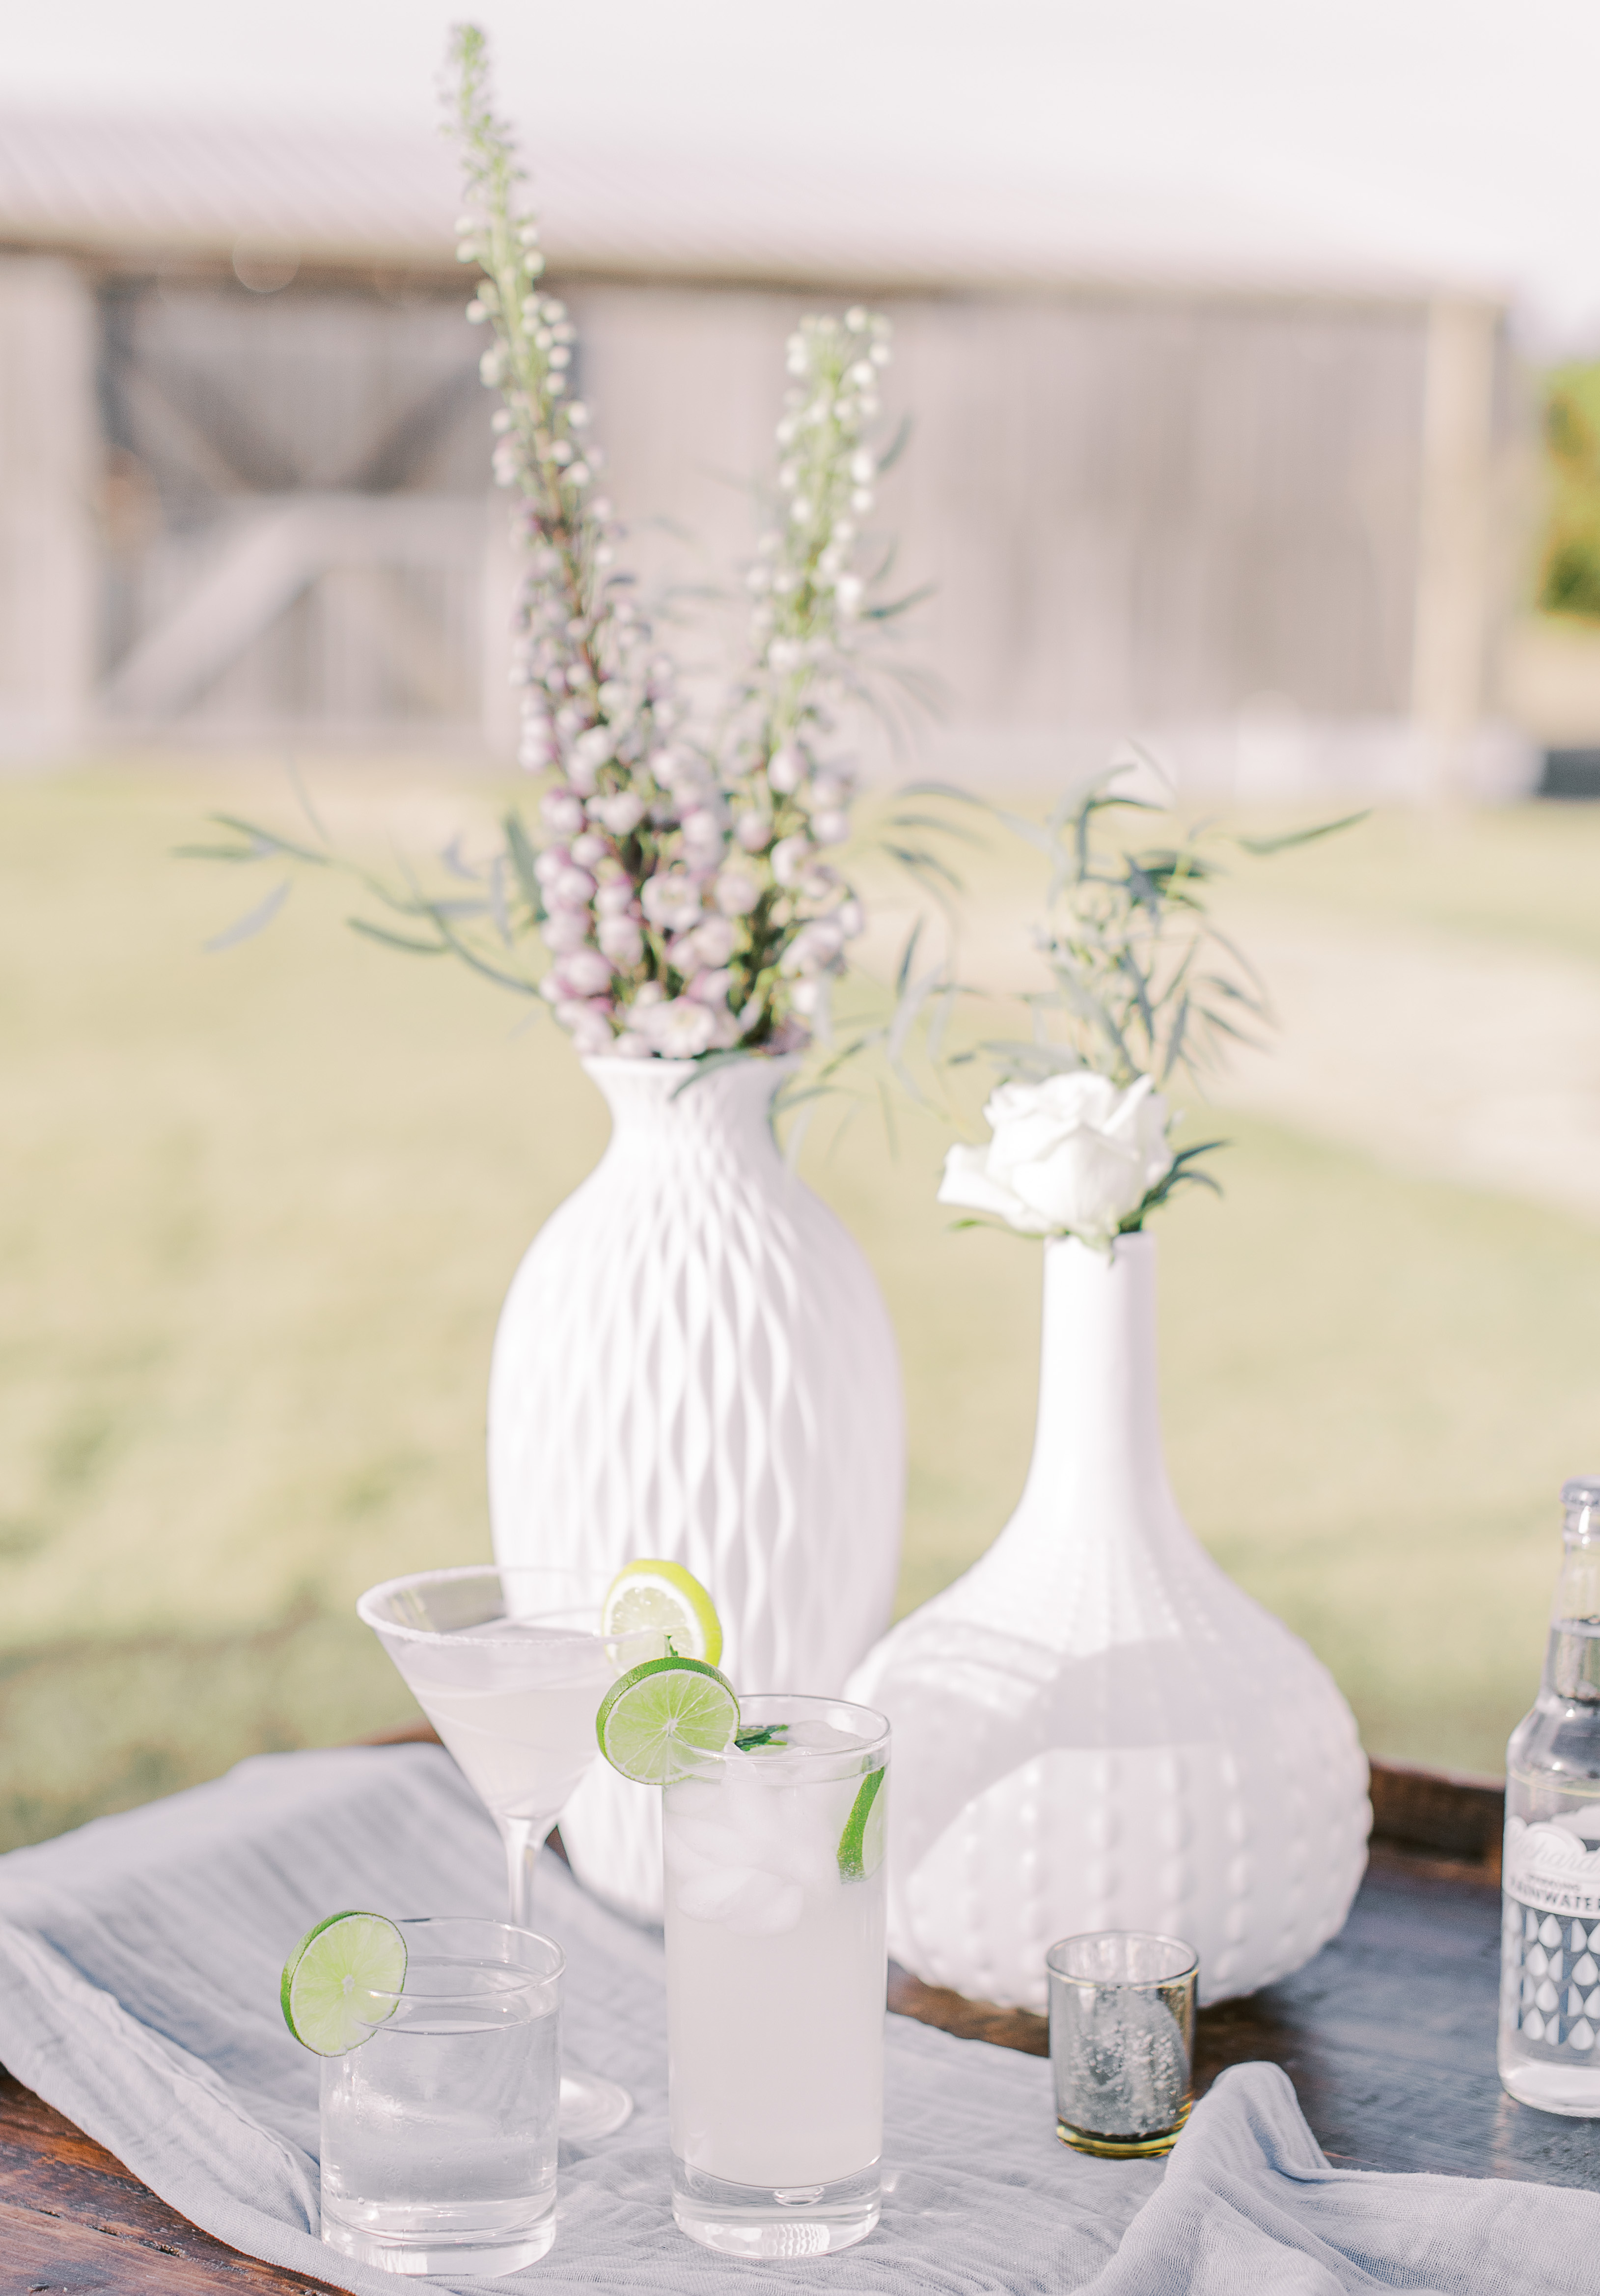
(681, 883)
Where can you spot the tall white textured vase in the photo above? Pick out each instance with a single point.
(695, 1361)
(1094, 1728)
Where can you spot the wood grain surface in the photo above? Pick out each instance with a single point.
(1388, 2037)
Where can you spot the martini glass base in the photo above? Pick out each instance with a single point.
(592, 2107)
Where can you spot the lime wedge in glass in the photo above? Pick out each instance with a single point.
(866, 1830)
(662, 1720)
(340, 1981)
(664, 1599)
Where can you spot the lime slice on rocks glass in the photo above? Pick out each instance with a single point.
(664, 1720)
(341, 1980)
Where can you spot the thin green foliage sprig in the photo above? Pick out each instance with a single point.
(1143, 981)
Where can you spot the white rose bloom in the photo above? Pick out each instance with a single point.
(1074, 1156)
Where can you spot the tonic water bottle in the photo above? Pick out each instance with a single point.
(1549, 2053)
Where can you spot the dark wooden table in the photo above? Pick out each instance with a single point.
(1388, 2036)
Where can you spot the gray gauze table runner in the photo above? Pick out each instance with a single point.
(139, 1966)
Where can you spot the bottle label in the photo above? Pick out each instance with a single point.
(1551, 1869)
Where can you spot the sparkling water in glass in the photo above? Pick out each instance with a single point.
(1121, 2040)
(776, 1971)
(438, 2134)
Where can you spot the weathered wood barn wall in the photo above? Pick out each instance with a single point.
(243, 452)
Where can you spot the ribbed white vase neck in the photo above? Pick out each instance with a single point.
(677, 1110)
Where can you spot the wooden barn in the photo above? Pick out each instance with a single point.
(1251, 501)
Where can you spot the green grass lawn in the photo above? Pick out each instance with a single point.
(260, 1210)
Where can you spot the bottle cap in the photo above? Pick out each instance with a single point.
(1582, 1491)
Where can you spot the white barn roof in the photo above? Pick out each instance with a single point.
(125, 189)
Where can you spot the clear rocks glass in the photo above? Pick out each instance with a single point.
(439, 2132)
(1121, 2040)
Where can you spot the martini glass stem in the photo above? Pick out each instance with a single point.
(524, 1839)
(590, 2107)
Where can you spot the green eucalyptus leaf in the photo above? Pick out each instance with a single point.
(255, 921)
(395, 939)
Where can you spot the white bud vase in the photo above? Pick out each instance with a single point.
(1094, 1728)
(695, 1361)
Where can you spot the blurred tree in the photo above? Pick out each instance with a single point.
(1570, 571)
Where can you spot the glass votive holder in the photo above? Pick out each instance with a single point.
(1121, 2040)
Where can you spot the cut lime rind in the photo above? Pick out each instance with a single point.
(662, 1600)
(340, 1981)
(666, 1719)
(866, 1833)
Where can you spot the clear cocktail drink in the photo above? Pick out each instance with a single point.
(510, 1664)
(439, 2132)
(776, 1969)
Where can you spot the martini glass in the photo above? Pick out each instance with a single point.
(510, 1666)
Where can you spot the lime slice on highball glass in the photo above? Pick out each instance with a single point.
(665, 1719)
(662, 1598)
(865, 1830)
(340, 1981)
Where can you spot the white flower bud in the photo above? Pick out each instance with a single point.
(561, 810)
(851, 918)
(577, 415)
(569, 888)
(789, 856)
(620, 813)
(622, 940)
(678, 1030)
(585, 973)
(787, 766)
(710, 988)
(861, 499)
(703, 837)
(710, 945)
(589, 850)
(736, 893)
(591, 1029)
(753, 832)
(566, 929)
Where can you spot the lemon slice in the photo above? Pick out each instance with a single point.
(648, 1597)
(663, 1720)
(340, 1981)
